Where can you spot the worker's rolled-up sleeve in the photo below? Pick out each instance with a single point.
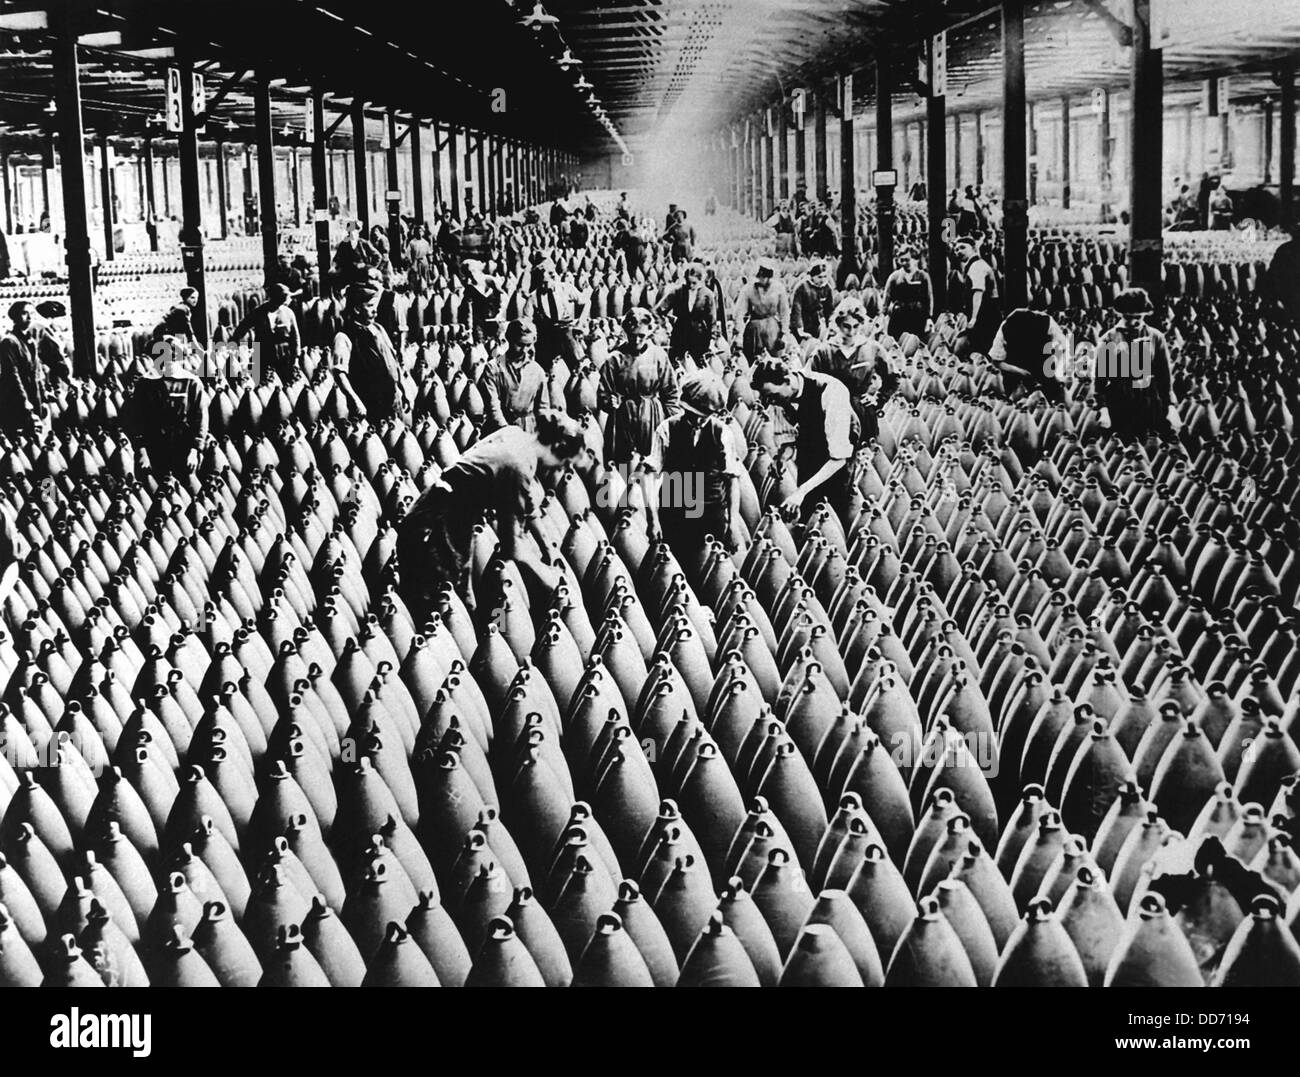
(839, 419)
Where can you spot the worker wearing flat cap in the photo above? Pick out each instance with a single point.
(514, 384)
(1132, 377)
(22, 377)
(693, 474)
(167, 411)
(275, 332)
(367, 366)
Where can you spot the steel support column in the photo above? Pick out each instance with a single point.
(848, 186)
(76, 227)
(417, 171)
(320, 195)
(783, 155)
(1146, 245)
(106, 197)
(1015, 248)
(392, 192)
(884, 162)
(936, 183)
(223, 188)
(362, 197)
(453, 159)
(819, 145)
(1067, 131)
(1286, 143)
(192, 206)
(265, 135)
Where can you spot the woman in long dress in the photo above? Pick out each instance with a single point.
(762, 312)
(638, 388)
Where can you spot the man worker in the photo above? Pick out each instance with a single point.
(167, 413)
(826, 434)
(275, 333)
(984, 306)
(22, 376)
(1032, 352)
(367, 367)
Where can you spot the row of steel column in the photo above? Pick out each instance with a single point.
(755, 185)
(531, 173)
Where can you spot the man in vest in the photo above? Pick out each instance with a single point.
(513, 385)
(1033, 354)
(275, 332)
(984, 309)
(22, 378)
(827, 432)
(693, 471)
(367, 368)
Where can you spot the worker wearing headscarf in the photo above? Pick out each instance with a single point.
(513, 384)
(497, 474)
(762, 311)
(694, 467)
(366, 364)
(638, 387)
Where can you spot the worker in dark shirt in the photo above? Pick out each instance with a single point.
(1132, 376)
(167, 412)
(810, 305)
(858, 361)
(496, 474)
(354, 257)
(694, 468)
(629, 241)
(821, 411)
(275, 332)
(367, 367)
(1032, 352)
(908, 298)
(22, 376)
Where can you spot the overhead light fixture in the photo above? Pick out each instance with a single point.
(583, 84)
(568, 60)
(538, 18)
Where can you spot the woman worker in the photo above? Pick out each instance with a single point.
(762, 311)
(638, 387)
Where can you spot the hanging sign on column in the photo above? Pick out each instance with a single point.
(800, 105)
(174, 117)
(309, 122)
(199, 103)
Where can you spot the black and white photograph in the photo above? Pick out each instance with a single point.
(650, 493)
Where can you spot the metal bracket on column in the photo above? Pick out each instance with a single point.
(404, 135)
(1117, 26)
(211, 108)
(329, 131)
